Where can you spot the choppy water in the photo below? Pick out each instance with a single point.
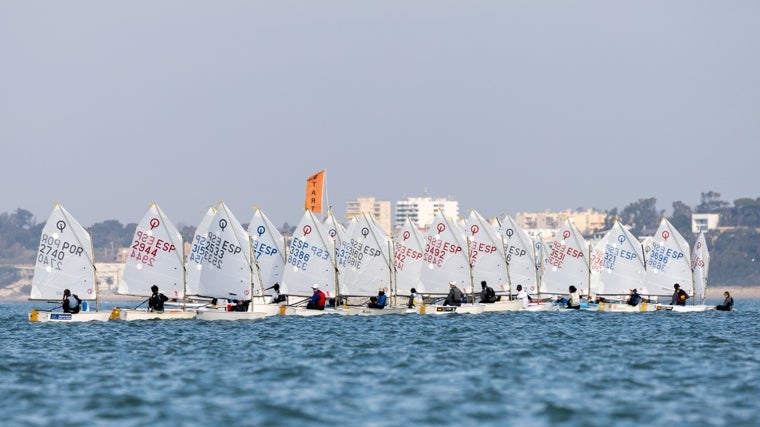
(528, 369)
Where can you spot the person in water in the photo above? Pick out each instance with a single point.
(728, 303)
(455, 295)
(156, 300)
(379, 301)
(573, 300)
(70, 303)
(318, 299)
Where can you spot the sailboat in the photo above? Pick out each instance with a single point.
(155, 258)
(488, 261)
(365, 266)
(311, 260)
(65, 260)
(668, 259)
(617, 266)
(197, 251)
(542, 263)
(567, 262)
(446, 255)
(335, 229)
(269, 259)
(408, 262)
(700, 262)
(226, 272)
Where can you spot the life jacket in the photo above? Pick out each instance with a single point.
(156, 302)
(322, 299)
(682, 295)
(71, 304)
(490, 294)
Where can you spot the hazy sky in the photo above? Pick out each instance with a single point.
(506, 106)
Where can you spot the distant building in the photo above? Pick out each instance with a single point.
(588, 222)
(704, 222)
(379, 209)
(421, 210)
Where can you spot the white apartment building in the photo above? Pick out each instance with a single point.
(704, 222)
(421, 210)
(587, 222)
(379, 209)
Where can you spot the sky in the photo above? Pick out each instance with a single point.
(505, 106)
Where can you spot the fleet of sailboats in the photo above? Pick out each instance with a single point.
(232, 272)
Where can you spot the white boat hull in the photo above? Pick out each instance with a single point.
(544, 306)
(303, 311)
(57, 316)
(229, 315)
(684, 308)
(514, 305)
(270, 309)
(626, 308)
(451, 309)
(129, 314)
(366, 311)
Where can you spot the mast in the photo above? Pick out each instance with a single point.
(391, 273)
(538, 257)
(251, 260)
(94, 274)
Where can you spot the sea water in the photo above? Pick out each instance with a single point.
(572, 368)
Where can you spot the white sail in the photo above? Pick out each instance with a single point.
(668, 262)
(445, 256)
(364, 259)
(700, 263)
(155, 257)
(64, 259)
(311, 259)
(268, 252)
(520, 256)
(617, 263)
(568, 262)
(197, 251)
(335, 229)
(542, 260)
(408, 260)
(226, 270)
(486, 251)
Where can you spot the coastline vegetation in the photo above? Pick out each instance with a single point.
(734, 247)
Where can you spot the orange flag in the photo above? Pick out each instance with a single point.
(314, 191)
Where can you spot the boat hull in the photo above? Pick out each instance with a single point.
(684, 308)
(229, 315)
(514, 305)
(82, 316)
(543, 306)
(129, 314)
(626, 308)
(303, 311)
(365, 311)
(451, 309)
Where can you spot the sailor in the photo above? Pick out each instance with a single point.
(70, 303)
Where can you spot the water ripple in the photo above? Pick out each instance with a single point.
(527, 369)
